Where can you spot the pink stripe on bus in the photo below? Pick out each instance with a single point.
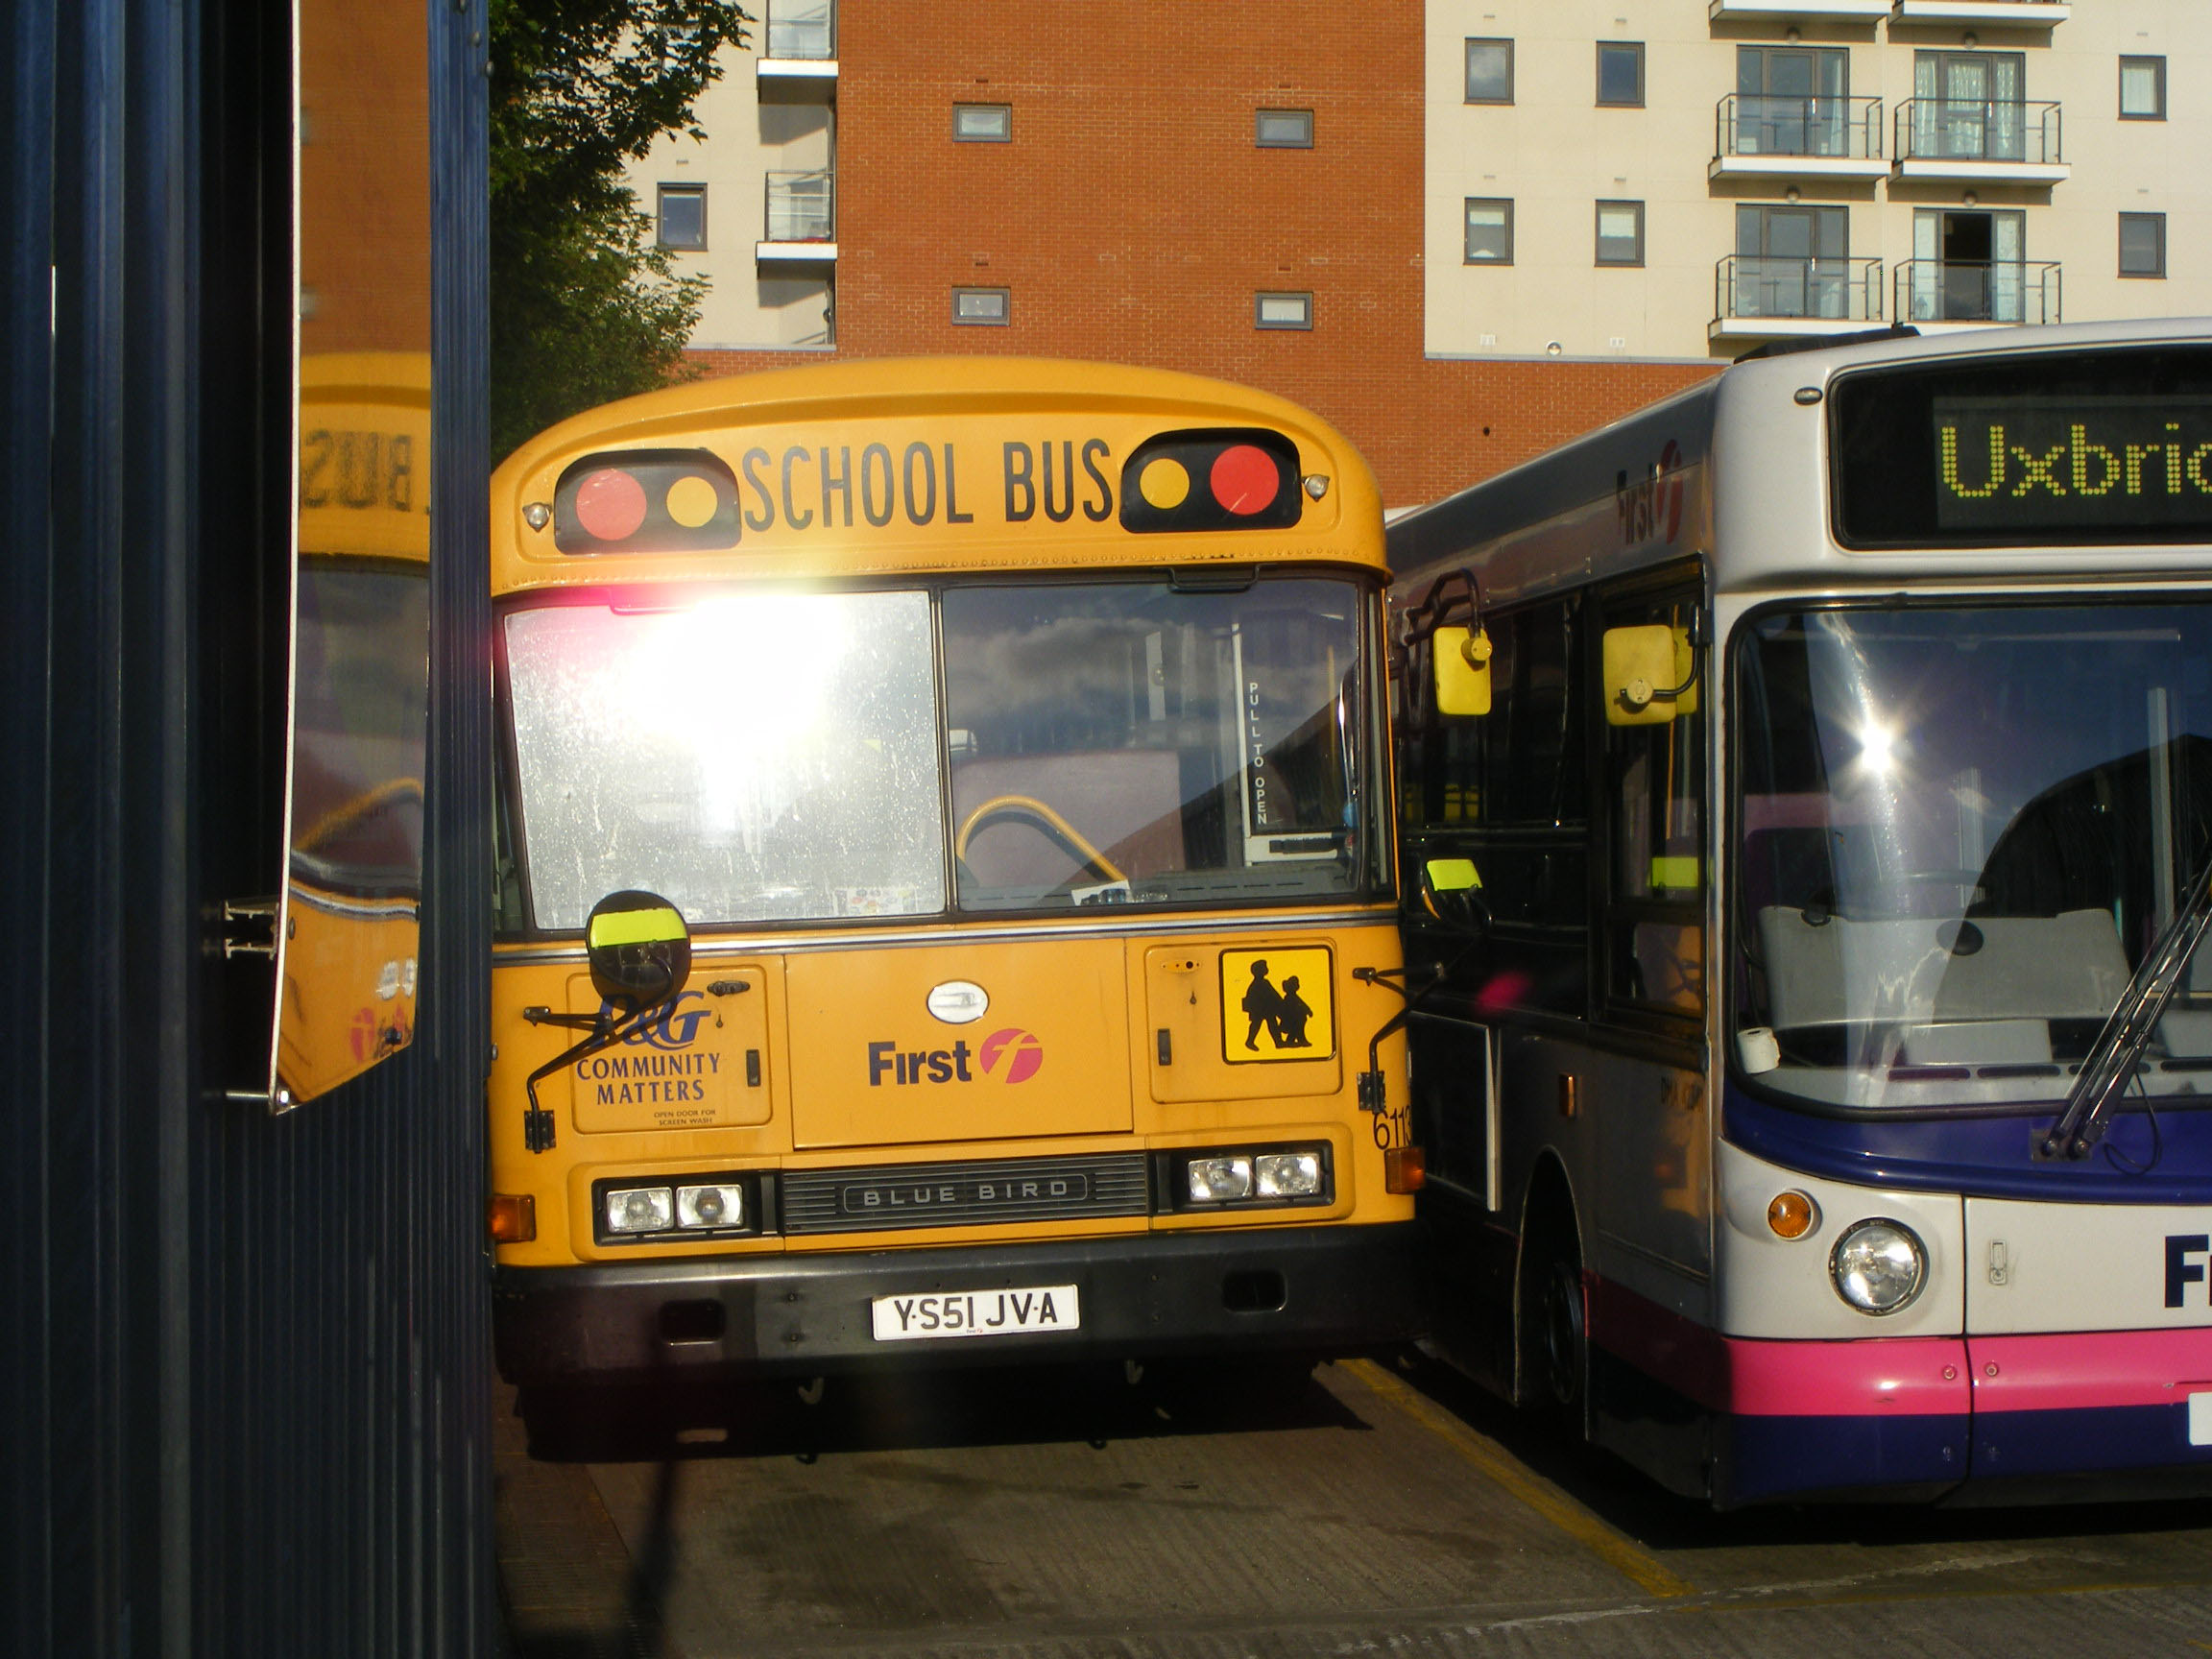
(1897, 1376)
(1891, 1376)
(2082, 1370)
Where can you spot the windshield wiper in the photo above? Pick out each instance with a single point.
(2110, 1066)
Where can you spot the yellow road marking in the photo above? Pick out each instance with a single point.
(1616, 1551)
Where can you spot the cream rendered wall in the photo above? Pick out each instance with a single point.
(1555, 154)
(747, 138)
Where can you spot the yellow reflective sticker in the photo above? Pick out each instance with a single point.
(652, 926)
(1677, 873)
(1277, 1005)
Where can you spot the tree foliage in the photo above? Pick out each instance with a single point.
(585, 306)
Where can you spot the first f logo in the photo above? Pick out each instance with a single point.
(2181, 1271)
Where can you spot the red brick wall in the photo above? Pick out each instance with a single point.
(1133, 218)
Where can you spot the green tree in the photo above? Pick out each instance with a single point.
(585, 306)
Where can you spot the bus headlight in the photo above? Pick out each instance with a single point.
(1878, 1266)
(1219, 1179)
(710, 1206)
(1286, 1174)
(639, 1209)
(1246, 1177)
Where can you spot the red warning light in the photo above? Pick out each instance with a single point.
(610, 505)
(1245, 479)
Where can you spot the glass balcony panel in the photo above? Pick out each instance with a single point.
(801, 207)
(1978, 129)
(805, 29)
(1779, 288)
(1978, 290)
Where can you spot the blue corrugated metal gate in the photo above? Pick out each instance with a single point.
(244, 1383)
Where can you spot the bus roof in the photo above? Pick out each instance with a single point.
(930, 464)
(1736, 469)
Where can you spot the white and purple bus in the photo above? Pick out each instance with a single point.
(1807, 800)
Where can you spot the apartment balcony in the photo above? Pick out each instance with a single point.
(1997, 13)
(798, 54)
(1966, 139)
(1763, 297)
(800, 227)
(1761, 136)
(1975, 294)
(1798, 11)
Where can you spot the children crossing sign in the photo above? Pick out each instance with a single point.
(1277, 1005)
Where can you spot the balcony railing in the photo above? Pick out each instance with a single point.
(1978, 129)
(802, 207)
(802, 29)
(1977, 291)
(1774, 289)
(1820, 129)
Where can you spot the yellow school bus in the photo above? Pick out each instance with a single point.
(348, 925)
(1003, 742)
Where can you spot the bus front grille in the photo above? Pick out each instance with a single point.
(885, 1196)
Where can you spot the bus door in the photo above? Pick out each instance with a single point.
(1497, 836)
(1643, 1087)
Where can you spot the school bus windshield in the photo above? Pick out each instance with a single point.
(789, 757)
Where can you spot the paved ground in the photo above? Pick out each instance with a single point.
(1376, 1508)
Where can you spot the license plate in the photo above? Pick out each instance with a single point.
(935, 1314)
(2201, 1419)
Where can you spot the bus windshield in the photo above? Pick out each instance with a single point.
(783, 756)
(1959, 830)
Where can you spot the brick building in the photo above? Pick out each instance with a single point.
(1305, 197)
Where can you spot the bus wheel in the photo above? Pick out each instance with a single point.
(1553, 1336)
(1564, 1342)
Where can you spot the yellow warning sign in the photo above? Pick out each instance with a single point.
(1277, 1005)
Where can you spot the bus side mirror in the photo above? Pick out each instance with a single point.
(639, 950)
(1650, 675)
(1463, 668)
(1450, 891)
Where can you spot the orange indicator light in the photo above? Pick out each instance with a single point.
(1405, 1170)
(1791, 1215)
(513, 1218)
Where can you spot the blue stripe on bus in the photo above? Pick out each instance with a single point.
(1764, 1458)
(2079, 1440)
(1981, 1157)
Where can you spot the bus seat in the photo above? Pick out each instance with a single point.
(1127, 802)
(2024, 968)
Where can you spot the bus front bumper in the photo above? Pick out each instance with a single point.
(1291, 1290)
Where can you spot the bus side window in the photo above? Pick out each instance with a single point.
(1655, 776)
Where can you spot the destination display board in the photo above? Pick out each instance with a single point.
(2099, 448)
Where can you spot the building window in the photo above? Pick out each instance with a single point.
(985, 307)
(1620, 232)
(1489, 71)
(2142, 244)
(1620, 72)
(1282, 310)
(683, 216)
(1490, 230)
(1284, 129)
(2142, 89)
(982, 123)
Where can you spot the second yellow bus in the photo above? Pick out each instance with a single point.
(1009, 737)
